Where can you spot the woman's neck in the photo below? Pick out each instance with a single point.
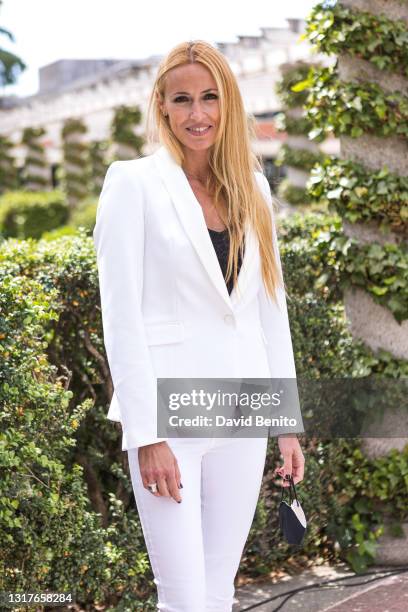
(196, 166)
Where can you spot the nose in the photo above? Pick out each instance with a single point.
(196, 110)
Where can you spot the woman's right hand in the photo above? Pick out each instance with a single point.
(158, 464)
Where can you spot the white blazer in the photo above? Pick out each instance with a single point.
(166, 310)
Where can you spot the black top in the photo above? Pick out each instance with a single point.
(221, 242)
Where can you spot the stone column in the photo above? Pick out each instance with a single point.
(369, 321)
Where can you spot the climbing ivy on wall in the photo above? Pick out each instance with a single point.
(354, 109)
(293, 121)
(124, 122)
(75, 161)
(8, 170)
(375, 38)
(35, 163)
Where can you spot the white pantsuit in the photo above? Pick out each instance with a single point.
(167, 313)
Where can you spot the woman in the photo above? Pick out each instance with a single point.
(188, 263)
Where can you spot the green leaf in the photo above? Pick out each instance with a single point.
(302, 85)
(356, 132)
(379, 290)
(370, 547)
(334, 194)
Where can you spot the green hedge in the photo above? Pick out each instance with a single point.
(52, 537)
(85, 214)
(45, 214)
(29, 214)
(53, 362)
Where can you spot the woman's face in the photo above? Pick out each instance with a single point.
(191, 101)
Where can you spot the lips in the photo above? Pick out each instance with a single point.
(199, 132)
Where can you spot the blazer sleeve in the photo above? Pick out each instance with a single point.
(275, 323)
(118, 236)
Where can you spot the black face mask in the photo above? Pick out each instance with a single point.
(292, 520)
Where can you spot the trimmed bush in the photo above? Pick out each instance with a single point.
(65, 488)
(29, 214)
(85, 214)
(51, 536)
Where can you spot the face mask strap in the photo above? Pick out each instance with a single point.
(289, 490)
(292, 485)
(292, 496)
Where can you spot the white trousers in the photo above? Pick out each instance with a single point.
(195, 547)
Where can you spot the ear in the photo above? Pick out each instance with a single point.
(161, 104)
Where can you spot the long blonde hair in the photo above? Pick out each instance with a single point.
(231, 160)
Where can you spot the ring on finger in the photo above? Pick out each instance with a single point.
(152, 486)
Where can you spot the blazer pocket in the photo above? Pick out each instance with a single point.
(164, 333)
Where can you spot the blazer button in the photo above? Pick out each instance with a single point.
(229, 319)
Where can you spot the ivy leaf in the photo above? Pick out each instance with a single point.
(356, 561)
(356, 132)
(376, 251)
(379, 61)
(381, 110)
(361, 191)
(302, 85)
(356, 103)
(370, 547)
(383, 172)
(346, 181)
(334, 194)
(379, 290)
(315, 133)
(382, 188)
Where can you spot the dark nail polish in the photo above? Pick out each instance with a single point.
(179, 502)
(181, 486)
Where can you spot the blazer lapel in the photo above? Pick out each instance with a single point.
(191, 216)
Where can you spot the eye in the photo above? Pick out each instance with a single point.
(182, 98)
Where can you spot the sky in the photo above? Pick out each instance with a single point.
(49, 30)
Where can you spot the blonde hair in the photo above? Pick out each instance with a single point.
(231, 160)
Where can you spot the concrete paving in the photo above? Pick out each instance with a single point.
(383, 595)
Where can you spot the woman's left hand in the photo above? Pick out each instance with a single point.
(293, 459)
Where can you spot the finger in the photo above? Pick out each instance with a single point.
(298, 474)
(162, 487)
(299, 467)
(155, 493)
(178, 475)
(174, 489)
(146, 482)
(287, 467)
(283, 482)
(148, 479)
(281, 472)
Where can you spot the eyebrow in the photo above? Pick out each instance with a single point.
(186, 92)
